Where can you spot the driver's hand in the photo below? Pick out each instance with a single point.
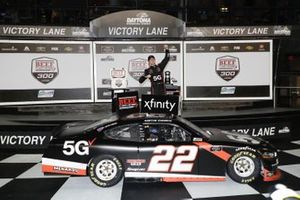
(148, 76)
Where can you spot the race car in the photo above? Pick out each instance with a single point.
(157, 147)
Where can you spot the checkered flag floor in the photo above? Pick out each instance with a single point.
(21, 178)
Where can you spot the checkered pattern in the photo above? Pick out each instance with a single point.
(21, 178)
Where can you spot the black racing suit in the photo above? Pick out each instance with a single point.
(157, 76)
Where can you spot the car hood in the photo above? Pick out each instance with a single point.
(218, 135)
(72, 129)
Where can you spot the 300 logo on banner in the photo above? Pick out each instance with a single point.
(44, 69)
(227, 67)
(136, 67)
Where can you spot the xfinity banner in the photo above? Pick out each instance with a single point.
(43, 31)
(137, 24)
(129, 59)
(160, 104)
(238, 31)
(240, 69)
(45, 72)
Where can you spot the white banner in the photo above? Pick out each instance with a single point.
(45, 72)
(239, 69)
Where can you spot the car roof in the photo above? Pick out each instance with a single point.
(141, 116)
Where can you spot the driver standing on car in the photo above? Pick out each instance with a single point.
(155, 73)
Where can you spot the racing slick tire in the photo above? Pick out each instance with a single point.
(244, 167)
(105, 170)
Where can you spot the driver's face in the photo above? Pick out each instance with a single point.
(152, 62)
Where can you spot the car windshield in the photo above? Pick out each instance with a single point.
(194, 127)
(102, 122)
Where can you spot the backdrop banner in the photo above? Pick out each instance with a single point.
(240, 69)
(132, 58)
(45, 72)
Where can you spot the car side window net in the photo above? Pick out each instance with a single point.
(128, 132)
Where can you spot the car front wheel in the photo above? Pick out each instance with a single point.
(105, 170)
(244, 167)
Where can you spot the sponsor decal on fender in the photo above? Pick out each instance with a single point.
(136, 169)
(44, 69)
(227, 67)
(65, 169)
(210, 148)
(50, 165)
(135, 162)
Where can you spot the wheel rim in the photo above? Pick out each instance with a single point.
(244, 166)
(106, 170)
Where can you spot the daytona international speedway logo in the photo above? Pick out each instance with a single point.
(44, 69)
(227, 67)
(141, 18)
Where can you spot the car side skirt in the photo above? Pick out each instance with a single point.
(56, 166)
(174, 177)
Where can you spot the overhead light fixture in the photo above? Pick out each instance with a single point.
(224, 9)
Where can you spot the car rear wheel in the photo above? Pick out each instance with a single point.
(105, 170)
(244, 167)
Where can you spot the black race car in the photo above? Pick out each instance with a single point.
(157, 147)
